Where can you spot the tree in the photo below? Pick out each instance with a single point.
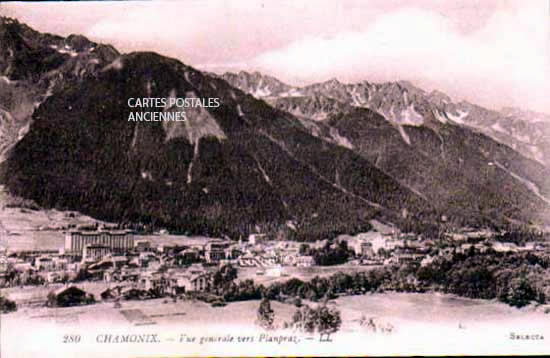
(304, 249)
(224, 276)
(266, 316)
(329, 255)
(329, 295)
(520, 293)
(328, 320)
(7, 305)
(322, 319)
(51, 300)
(304, 319)
(383, 253)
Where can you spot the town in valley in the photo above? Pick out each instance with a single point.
(125, 265)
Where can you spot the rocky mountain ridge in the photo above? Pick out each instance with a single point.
(33, 66)
(402, 103)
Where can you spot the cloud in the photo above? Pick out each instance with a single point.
(199, 32)
(504, 62)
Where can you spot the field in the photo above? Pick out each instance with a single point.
(432, 308)
(155, 312)
(423, 324)
(395, 308)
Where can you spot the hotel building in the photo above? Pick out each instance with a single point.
(118, 241)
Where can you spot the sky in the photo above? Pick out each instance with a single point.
(492, 52)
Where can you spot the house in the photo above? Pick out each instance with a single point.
(142, 246)
(369, 261)
(201, 282)
(153, 281)
(407, 257)
(214, 250)
(427, 260)
(408, 237)
(111, 275)
(232, 252)
(415, 246)
(255, 239)
(222, 263)
(119, 261)
(52, 277)
(305, 261)
(60, 263)
(377, 239)
(59, 276)
(186, 257)
(464, 248)
(393, 244)
(170, 249)
(189, 282)
(112, 293)
(479, 234)
(44, 263)
(132, 293)
(134, 261)
(282, 245)
(196, 269)
(290, 259)
(179, 283)
(74, 267)
(69, 296)
(101, 265)
(274, 251)
(456, 236)
(505, 247)
(319, 244)
(149, 260)
(120, 274)
(194, 278)
(128, 274)
(362, 248)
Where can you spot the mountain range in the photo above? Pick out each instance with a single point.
(305, 163)
(463, 158)
(527, 132)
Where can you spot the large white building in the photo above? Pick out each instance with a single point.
(118, 241)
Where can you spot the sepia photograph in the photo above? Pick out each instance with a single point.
(274, 178)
